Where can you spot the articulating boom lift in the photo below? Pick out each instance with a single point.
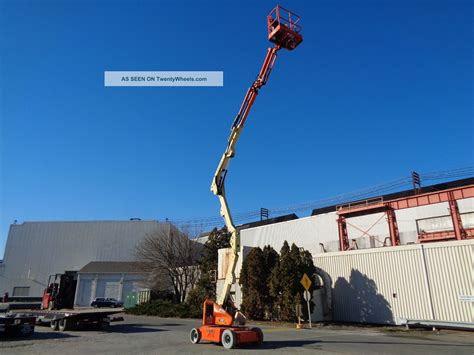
(222, 322)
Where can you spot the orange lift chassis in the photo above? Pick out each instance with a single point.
(221, 321)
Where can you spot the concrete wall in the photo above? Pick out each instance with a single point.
(34, 250)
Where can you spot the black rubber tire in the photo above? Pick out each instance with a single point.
(29, 332)
(63, 325)
(259, 334)
(104, 325)
(53, 324)
(229, 339)
(195, 335)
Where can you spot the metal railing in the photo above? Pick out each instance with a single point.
(285, 17)
(360, 204)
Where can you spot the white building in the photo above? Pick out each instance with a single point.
(400, 274)
(109, 279)
(34, 250)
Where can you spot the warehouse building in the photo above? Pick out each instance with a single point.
(35, 250)
(425, 276)
(391, 235)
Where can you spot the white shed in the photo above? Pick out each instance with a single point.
(110, 279)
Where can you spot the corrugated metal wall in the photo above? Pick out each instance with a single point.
(35, 250)
(382, 285)
(407, 282)
(450, 273)
(308, 232)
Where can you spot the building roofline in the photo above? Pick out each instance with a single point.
(264, 222)
(405, 193)
(95, 221)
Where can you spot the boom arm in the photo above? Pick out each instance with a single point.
(217, 186)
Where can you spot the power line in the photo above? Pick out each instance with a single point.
(372, 191)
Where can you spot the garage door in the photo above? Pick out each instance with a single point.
(112, 290)
(84, 297)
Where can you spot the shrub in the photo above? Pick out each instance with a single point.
(163, 308)
(195, 301)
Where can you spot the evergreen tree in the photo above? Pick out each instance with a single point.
(280, 282)
(306, 266)
(206, 286)
(252, 277)
(285, 286)
(271, 261)
(218, 239)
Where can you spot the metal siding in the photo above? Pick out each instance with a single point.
(84, 292)
(376, 277)
(400, 270)
(466, 205)
(397, 270)
(36, 249)
(364, 282)
(450, 270)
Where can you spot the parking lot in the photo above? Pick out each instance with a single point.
(153, 335)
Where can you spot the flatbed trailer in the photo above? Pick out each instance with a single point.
(70, 319)
(17, 325)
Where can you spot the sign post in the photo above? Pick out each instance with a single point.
(306, 282)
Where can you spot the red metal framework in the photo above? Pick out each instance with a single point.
(283, 28)
(375, 205)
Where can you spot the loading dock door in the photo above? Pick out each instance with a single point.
(112, 290)
(84, 294)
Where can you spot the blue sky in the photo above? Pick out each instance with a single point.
(376, 90)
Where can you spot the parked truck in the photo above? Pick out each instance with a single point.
(57, 307)
(15, 324)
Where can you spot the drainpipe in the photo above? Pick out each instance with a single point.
(327, 289)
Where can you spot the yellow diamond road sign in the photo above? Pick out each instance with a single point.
(305, 281)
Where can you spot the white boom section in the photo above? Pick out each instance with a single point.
(217, 186)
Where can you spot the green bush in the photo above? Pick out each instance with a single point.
(195, 301)
(164, 308)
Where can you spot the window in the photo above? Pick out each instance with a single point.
(21, 291)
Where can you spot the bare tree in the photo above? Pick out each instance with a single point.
(170, 257)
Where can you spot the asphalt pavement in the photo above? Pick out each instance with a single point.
(154, 335)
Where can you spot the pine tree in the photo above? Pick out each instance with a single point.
(218, 239)
(252, 276)
(280, 282)
(307, 267)
(271, 261)
(206, 286)
(285, 287)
